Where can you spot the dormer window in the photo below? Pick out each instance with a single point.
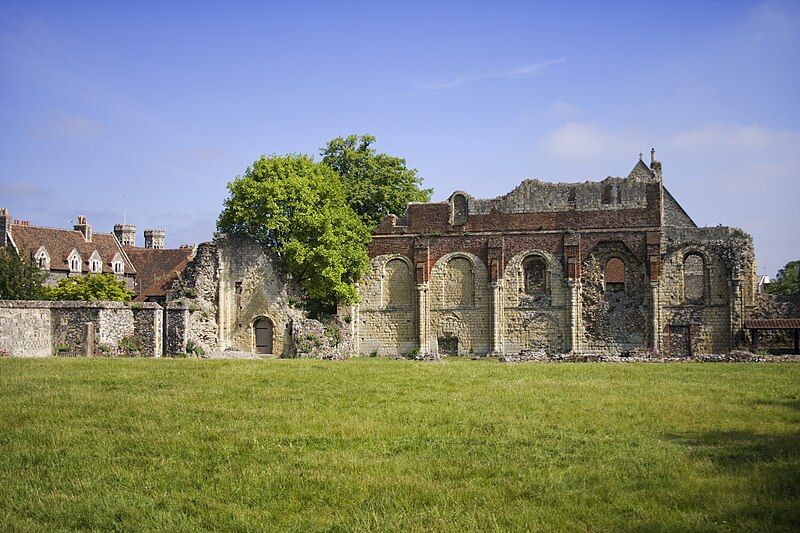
(117, 265)
(95, 263)
(42, 259)
(75, 262)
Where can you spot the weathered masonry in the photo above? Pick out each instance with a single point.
(597, 267)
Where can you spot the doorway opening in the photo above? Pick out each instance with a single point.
(264, 333)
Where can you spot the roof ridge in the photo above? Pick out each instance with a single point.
(39, 226)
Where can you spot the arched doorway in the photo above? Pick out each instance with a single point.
(263, 329)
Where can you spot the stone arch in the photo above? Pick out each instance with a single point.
(473, 336)
(614, 274)
(715, 270)
(455, 280)
(459, 208)
(263, 334)
(694, 278)
(614, 320)
(514, 279)
(397, 283)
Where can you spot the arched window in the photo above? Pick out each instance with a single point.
(263, 331)
(614, 275)
(75, 263)
(95, 263)
(398, 285)
(460, 209)
(694, 279)
(43, 259)
(117, 266)
(534, 274)
(459, 283)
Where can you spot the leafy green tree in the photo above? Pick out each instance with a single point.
(91, 287)
(298, 208)
(787, 282)
(376, 184)
(20, 280)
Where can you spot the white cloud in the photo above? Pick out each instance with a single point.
(733, 136)
(585, 140)
(564, 110)
(19, 189)
(524, 71)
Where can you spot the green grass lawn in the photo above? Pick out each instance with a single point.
(374, 444)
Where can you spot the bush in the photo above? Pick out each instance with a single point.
(62, 348)
(104, 350)
(194, 349)
(190, 293)
(106, 287)
(130, 346)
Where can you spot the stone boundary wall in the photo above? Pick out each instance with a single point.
(41, 328)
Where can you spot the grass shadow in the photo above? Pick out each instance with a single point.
(768, 463)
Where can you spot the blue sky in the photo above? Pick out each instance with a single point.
(153, 107)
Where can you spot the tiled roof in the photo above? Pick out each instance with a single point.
(59, 243)
(772, 323)
(157, 269)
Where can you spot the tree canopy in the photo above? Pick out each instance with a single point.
(19, 279)
(90, 287)
(298, 208)
(376, 184)
(787, 282)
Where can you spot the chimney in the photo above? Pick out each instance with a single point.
(5, 227)
(652, 157)
(154, 238)
(125, 234)
(84, 228)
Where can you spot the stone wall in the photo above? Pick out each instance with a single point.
(41, 328)
(386, 315)
(459, 305)
(615, 320)
(232, 285)
(535, 321)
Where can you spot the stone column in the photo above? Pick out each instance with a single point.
(88, 339)
(737, 311)
(422, 318)
(655, 316)
(355, 329)
(575, 315)
(497, 326)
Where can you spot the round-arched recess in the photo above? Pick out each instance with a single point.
(264, 335)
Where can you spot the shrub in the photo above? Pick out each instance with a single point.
(62, 348)
(194, 349)
(334, 333)
(89, 288)
(130, 345)
(190, 293)
(104, 349)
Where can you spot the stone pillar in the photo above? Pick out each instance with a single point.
(737, 311)
(497, 323)
(422, 318)
(88, 339)
(655, 316)
(575, 315)
(355, 329)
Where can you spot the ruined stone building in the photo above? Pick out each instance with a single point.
(604, 267)
(596, 267)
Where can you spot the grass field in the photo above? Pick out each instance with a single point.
(373, 444)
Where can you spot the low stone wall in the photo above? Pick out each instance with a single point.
(42, 328)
